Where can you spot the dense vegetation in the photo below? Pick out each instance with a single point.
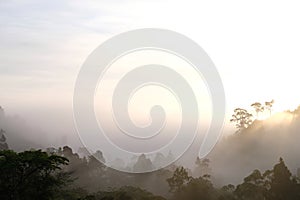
(40, 175)
(61, 174)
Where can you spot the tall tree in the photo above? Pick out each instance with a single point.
(179, 179)
(275, 184)
(30, 175)
(188, 188)
(1, 113)
(253, 187)
(269, 105)
(283, 185)
(242, 118)
(3, 144)
(143, 164)
(258, 107)
(202, 167)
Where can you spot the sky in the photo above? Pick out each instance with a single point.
(255, 46)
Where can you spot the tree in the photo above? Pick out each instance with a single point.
(95, 165)
(143, 164)
(242, 118)
(258, 108)
(2, 114)
(283, 185)
(228, 188)
(253, 187)
(275, 184)
(3, 144)
(179, 178)
(185, 187)
(99, 156)
(269, 105)
(77, 165)
(197, 188)
(227, 192)
(202, 167)
(31, 175)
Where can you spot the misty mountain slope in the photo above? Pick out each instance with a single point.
(257, 147)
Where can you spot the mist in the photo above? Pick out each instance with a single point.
(252, 48)
(234, 156)
(257, 147)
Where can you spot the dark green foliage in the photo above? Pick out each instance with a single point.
(30, 175)
(283, 185)
(226, 192)
(196, 188)
(253, 187)
(34, 175)
(275, 184)
(189, 188)
(178, 180)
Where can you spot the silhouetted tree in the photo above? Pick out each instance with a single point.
(188, 188)
(228, 188)
(96, 165)
(275, 184)
(258, 108)
(242, 118)
(99, 156)
(197, 188)
(227, 193)
(31, 175)
(179, 178)
(143, 164)
(3, 144)
(269, 105)
(202, 167)
(283, 185)
(1, 113)
(83, 152)
(253, 187)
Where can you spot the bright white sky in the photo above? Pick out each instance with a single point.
(254, 44)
